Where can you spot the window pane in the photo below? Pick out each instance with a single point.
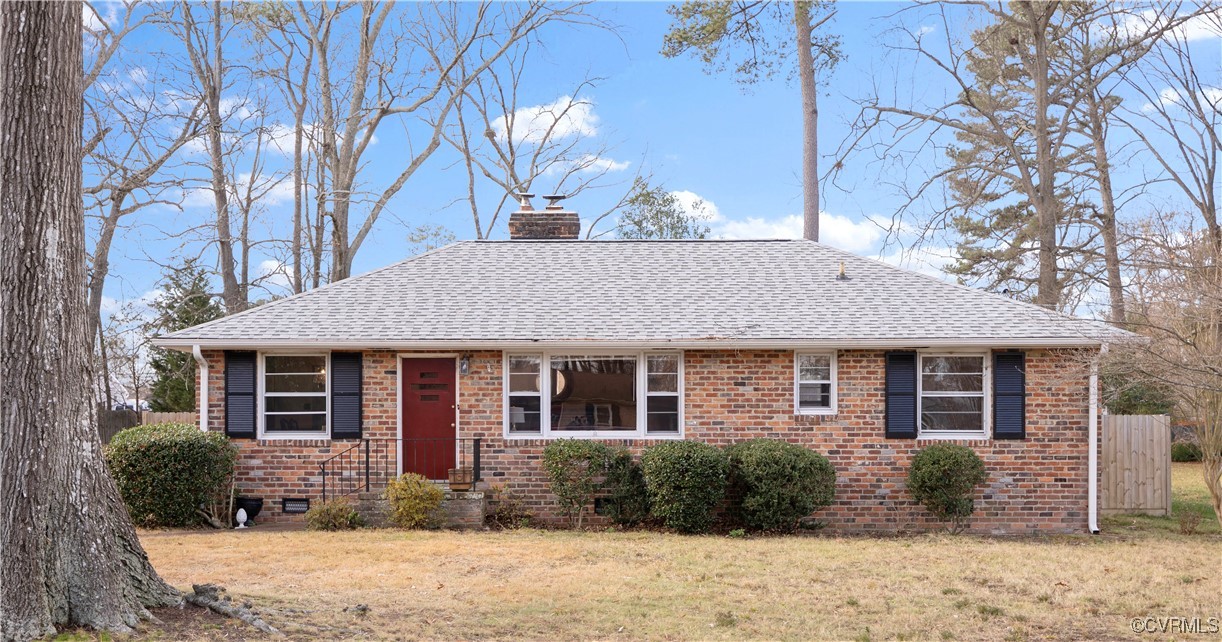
(814, 395)
(296, 383)
(295, 423)
(296, 365)
(664, 364)
(523, 382)
(296, 404)
(952, 413)
(961, 365)
(593, 393)
(663, 383)
(524, 414)
(663, 413)
(524, 365)
(814, 367)
(952, 382)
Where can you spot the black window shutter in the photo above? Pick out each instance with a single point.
(1009, 396)
(240, 394)
(901, 388)
(345, 395)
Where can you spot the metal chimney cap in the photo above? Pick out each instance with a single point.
(524, 200)
(553, 200)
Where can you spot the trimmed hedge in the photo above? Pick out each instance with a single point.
(415, 502)
(774, 483)
(1185, 451)
(575, 469)
(685, 481)
(943, 478)
(627, 499)
(165, 472)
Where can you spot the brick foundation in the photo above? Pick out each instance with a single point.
(1038, 485)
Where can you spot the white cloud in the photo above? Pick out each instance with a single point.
(693, 205)
(924, 259)
(925, 30)
(586, 164)
(563, 118)
(1171, 96)
(1202, 27)
(838, 231)
(274, 274)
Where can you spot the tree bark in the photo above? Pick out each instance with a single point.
(810, 123)
(1047, 209)
(70, 554)
(1107, 215)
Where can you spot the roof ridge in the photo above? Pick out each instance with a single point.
(325, 286)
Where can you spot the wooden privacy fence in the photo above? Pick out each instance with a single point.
(190, 417)
(1136, 461)
(110, 422)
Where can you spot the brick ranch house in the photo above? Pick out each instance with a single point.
(474, 356)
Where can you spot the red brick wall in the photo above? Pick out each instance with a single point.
(1035, 485)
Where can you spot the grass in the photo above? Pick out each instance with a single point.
(534, 584)
(1188, 494)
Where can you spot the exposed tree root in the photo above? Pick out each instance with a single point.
(209, 596)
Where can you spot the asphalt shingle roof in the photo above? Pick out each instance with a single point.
(693, 292)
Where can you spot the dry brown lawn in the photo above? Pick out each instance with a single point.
(607, 585)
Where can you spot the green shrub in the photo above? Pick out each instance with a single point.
(1185, 451)
(774, 483)
(415, 502)
(166, 472)
(507, 509)
(685, 480)
(334, 515)
(627, 500)
(943, 478)
(575, 469)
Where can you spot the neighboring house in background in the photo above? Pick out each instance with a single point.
(515, 343)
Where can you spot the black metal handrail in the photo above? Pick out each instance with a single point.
(370, 464)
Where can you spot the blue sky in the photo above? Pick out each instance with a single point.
(695, 133)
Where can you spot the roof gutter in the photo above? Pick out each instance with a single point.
(680, 344)
(203, 386)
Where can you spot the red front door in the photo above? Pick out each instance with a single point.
(428, 417)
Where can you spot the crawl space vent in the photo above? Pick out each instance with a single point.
(294, 505)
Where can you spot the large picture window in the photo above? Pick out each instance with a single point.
(295, 395)
(612, 395)
(952, 395)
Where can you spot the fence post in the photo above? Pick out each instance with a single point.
(322, 470)
(475, 459)
(367, 465)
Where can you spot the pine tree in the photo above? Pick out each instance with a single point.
(186, 302)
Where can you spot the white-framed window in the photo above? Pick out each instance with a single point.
(814, 387)
(294, 392)
(952, 395)
(605, 395)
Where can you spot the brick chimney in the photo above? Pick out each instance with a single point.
(552, 222)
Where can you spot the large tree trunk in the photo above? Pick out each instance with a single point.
(70, 554)
(1107, 215)
(810, 123)
(1047, 209)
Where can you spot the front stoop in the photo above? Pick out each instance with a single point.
(460, 510)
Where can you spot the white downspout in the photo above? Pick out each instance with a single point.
(1092, 508)
(203, 387)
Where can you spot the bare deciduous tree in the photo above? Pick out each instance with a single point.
(1176, 303)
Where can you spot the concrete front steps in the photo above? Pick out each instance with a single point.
(459, 509)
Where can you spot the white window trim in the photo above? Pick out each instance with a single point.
(987, 395)
(262, 398)
(797, 383)
(545, 393)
